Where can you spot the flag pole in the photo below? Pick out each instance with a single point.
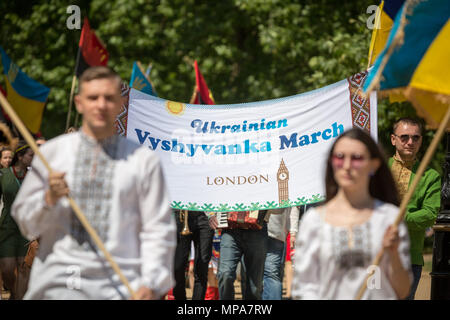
(147, 74)
(423, 165)
(74, 80)
(91, 231)
(72, 90)
(149, 68)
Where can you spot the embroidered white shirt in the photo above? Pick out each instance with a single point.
(121, 189)
(331, 263)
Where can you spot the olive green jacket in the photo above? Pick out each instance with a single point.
(422, 209)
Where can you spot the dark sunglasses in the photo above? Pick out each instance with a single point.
(405, 137)
(356, 160)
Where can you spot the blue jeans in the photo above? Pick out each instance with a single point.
(417, 272)
(273, 269)
(235, 243)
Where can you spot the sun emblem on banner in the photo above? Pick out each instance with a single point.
(176, 108)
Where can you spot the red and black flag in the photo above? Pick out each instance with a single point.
(202, 94)
(91, 51)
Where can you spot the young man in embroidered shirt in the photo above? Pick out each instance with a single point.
(120, 188)
(425, 203)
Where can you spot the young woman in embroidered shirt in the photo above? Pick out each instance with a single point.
(337, 242)
(13, 246)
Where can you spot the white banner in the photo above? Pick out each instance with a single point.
(251, 156)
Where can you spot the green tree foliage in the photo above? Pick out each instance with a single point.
(247, 50)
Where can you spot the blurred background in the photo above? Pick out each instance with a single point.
(246, 50)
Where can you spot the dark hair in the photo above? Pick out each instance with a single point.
(21, 149)
(381, 186)
(410, 121)
(99, 72)
(3, 150)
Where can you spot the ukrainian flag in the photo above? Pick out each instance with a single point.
(140, 82)
(385, 16)
(416, 59)
(26, 96)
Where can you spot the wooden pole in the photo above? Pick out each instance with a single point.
(147, 72)
(146, 75)
(423, 165)
(72, 90)
(144, 72)
(91, 231)
(142, 69)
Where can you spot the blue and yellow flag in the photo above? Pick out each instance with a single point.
(26, 96)
(415, 59)
(385, 16)
(140, 82)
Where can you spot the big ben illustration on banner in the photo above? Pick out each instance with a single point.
(283, 181)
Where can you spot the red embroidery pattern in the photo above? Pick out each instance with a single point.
(360, 104)
(121, 121)
(122, 118)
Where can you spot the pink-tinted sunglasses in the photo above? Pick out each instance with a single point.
(356, 160)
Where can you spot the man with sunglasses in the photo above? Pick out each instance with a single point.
(425, 203)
